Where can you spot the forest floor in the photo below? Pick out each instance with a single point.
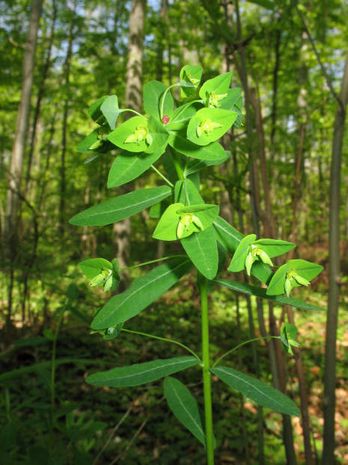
(54, 418)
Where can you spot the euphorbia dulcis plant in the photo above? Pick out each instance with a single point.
(185, 134)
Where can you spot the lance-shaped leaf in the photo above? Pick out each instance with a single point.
(153, 91)
(128, 166)
(213, 151)
(121, 207)
(209, 124)
(141, 373)
(184, 406)
(244, 288)
(261, 393)
(141, 293)
(110, 110)
(230, 238)
(303, 268)
(203, 252)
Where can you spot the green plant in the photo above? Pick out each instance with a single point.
(187, 137)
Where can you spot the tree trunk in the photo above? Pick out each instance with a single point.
(66, 72)
(16, 165)
(44, 75)
(334, 277)
(122, 230)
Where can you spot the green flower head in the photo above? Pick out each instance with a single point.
(140, 135)
(207, 126)
(188, 224)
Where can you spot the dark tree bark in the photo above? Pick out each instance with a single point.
(334, 276)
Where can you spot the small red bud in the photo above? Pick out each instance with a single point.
(165, 119)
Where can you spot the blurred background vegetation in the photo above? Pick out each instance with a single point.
(57, 57)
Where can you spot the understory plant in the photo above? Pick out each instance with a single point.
(177, 137)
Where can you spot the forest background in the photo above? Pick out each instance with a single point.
(285, 177)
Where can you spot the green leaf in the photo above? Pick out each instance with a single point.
(244, 288)
(118, 208)
(230, 238)
(94, 109)
(142, 292)
(141, 373)
(89, 141)
(304, 268)
(184, 406)
(128, 166)
(182, 116)
(190, 75)
(194, 166)
(159, 136)
(239, 257)
(203, 252)
(101, 272)
(209, 124)
(132, 135)
(152, 93)
(91, 267)
(233, 100)
(213, 151)
(110, 110)
(186, 192)
(166, 229)
(261, 393)
(219, 85)
(288, 336)
(274, 247)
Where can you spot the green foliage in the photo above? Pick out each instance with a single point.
(142, 292)
(259, 392)
(186, 132)
(141, 373)
(121, 207)
(101, 272)
(184, 406)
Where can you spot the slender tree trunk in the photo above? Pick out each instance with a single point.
(44, 75)
(334, 277)
(16, 165)
(66, 71)
(133, 100)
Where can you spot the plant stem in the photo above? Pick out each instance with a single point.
(208, 409)
(164, 95)
(162, 176)
(255, 339)
(163, 339)
(131, 111)
(156, 260)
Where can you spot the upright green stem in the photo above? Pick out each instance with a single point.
(208, 408)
